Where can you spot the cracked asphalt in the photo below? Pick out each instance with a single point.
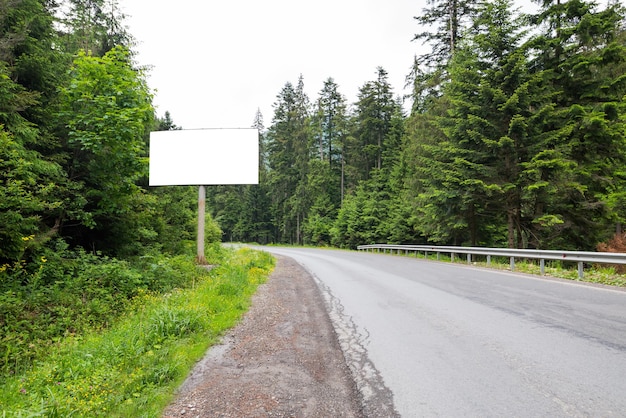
(285, 359)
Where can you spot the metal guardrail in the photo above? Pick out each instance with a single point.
(580, 257)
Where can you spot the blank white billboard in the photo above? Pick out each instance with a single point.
(204, 157)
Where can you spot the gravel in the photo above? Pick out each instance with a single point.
(282, 360)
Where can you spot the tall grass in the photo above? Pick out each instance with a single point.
(132, 367)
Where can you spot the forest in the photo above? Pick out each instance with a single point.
(515, 137)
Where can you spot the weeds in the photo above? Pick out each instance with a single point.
(131, 367)
(70, 292)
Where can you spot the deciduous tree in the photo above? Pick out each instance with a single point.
(108, 113)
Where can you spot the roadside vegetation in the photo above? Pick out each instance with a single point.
(127, 346)
(516, 137)
(607, 275)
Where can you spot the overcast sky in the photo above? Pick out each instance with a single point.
(215, 62)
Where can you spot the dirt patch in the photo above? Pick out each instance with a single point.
(282, 360)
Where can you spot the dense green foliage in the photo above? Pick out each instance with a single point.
(71, 292)
(133, 367)
(81, 234)
(75, 113)
(516, 137)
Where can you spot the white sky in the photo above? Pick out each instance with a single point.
(215, 62)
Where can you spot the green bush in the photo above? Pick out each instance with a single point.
(133, 367)
(68, 292)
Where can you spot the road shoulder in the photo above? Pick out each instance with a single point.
(283, 359)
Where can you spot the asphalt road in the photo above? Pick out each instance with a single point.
(452, 341)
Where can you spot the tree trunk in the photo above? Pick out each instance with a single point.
(298, 229)
(342, 176)
(511, 228)
(380, 152)
(473, 229)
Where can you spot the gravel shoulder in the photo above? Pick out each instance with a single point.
(282, 360)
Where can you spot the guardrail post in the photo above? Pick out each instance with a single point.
(581, 257)
(580, 270)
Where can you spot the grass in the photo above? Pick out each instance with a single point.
(133, 367)
(593, 274)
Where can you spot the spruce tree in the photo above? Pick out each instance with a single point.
(288, 155)
(374, 111)
(31, 178)
(94, 26)
(583, 50)
(471, 176)
(445, 23)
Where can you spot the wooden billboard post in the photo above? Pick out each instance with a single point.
(204, 157)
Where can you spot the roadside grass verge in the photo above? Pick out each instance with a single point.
(133, 367)
(606, 275)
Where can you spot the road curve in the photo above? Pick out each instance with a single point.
(449, 340)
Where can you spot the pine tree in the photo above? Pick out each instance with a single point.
(374, 111)
(329, 128)
(583, 49)
(94, 26)
(257, 197)
(472, 177)
(166, 123)
(329, 122)
(31, 180)
(288, 156)
(450, 19)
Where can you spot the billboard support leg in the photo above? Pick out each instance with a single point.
(200, 258)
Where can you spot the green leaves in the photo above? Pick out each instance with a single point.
(108, 113)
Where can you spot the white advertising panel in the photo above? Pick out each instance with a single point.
(204, 157)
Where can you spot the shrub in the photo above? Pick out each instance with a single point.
(68, 292)
(617, 244)
(133, 367)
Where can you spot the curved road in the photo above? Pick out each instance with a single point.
(449, 340)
